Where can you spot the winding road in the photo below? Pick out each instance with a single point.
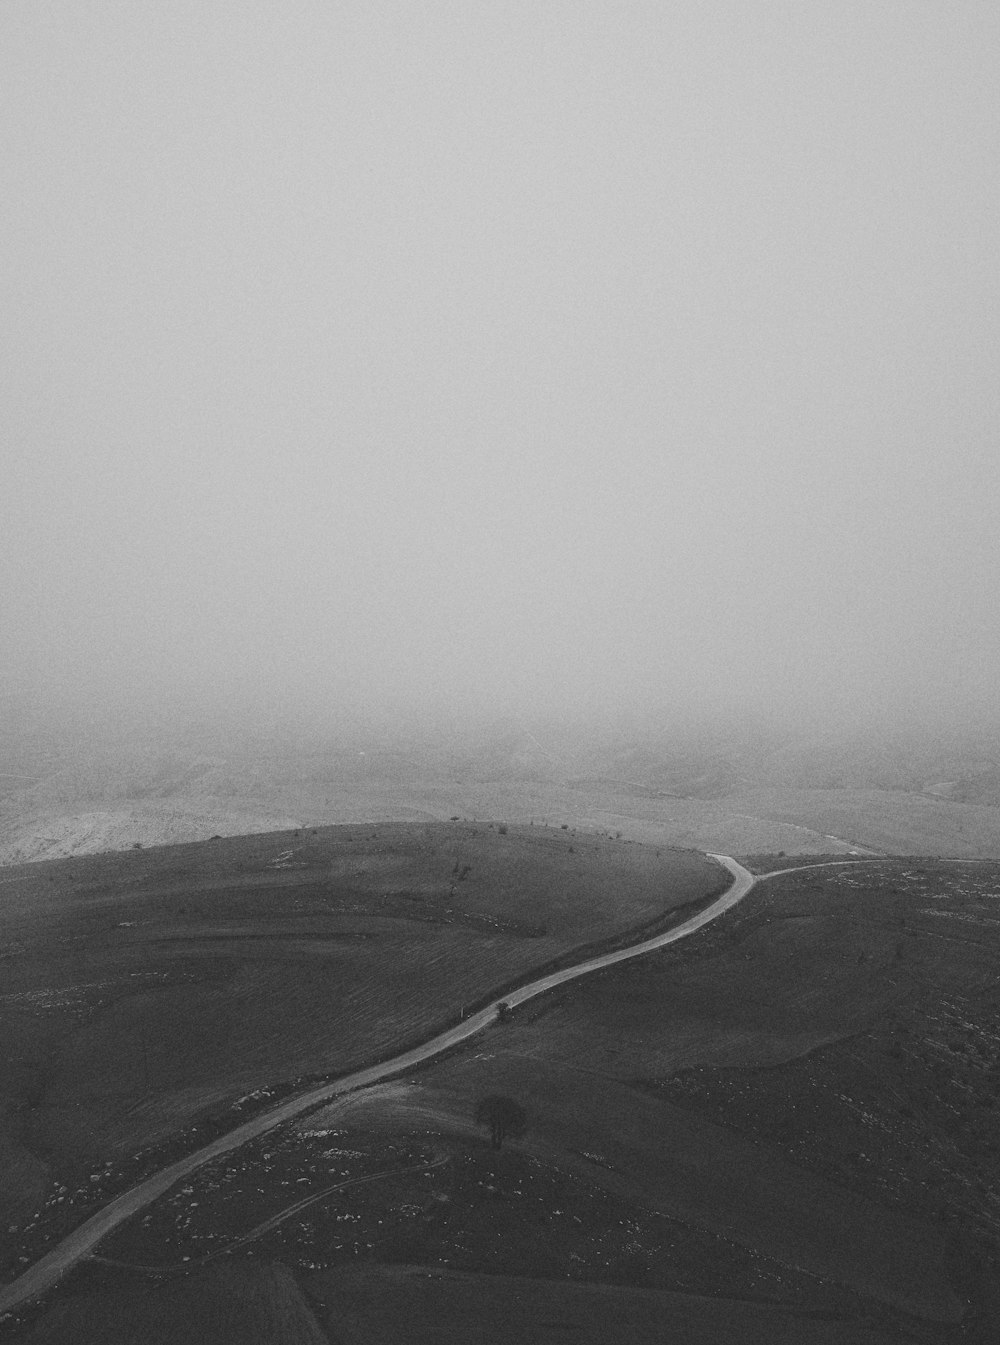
(40, 1277)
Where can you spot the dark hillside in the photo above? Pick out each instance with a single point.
(146, 989)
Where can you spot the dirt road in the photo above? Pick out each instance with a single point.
(40, 1277)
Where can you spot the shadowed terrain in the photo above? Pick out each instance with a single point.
(148, 991)
(780, 1129)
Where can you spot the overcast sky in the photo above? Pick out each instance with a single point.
(517, 354)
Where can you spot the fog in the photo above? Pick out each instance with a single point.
(435, 358)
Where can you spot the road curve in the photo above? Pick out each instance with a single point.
(40, 1277)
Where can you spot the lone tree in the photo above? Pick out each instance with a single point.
(503, 1116)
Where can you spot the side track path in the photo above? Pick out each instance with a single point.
(184, 1267)
(40, 1277)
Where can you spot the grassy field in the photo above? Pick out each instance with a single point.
(782, 1126)
(408, 1180)
(783, 1129)
(144, 988)
(904, 1109)
(261, 1302)
(842, 1022)
(717, 1183)
(242, 1303)
(445, 1307)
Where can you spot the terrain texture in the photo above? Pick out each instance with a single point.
(782, 1129)
(75, 792)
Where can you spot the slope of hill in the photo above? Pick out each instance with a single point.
(147, 989)
(780, 1130)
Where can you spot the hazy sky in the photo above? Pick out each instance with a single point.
(518, 353)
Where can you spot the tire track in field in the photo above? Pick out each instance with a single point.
(273, 1222)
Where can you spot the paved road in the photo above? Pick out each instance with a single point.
(45, 1272)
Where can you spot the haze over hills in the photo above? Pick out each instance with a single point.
(565, 431)
(623, 375)
(72, 788)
